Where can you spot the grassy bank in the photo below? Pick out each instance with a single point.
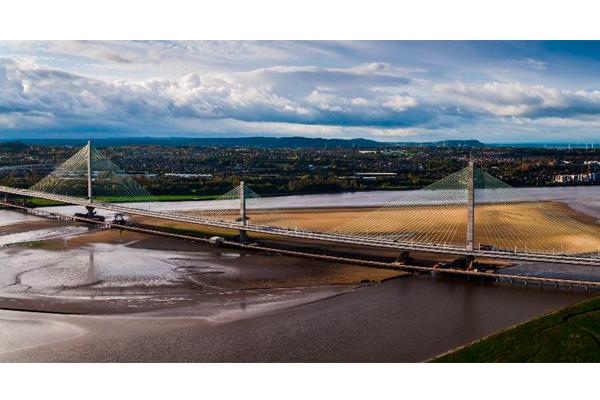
(569, 335)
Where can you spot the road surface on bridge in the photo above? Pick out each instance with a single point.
(319, 236)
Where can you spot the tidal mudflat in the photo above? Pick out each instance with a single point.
(119, 296)
(407, 319)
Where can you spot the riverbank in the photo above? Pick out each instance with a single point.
(568, 335)
(110, 295)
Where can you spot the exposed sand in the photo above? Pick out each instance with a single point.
(209, 304)
(112, 271)
(546, 226)
(249, 271)
(541, 227)
(276, 270)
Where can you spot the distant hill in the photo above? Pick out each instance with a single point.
(258, 141)
(459, 143)
(293, 142)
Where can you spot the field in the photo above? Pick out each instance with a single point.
(568, 335)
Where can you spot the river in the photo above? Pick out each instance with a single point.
(139, 298)
(584, 199)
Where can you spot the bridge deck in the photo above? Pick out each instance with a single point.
(399, 245)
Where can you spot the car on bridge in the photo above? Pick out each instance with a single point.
(216, 240)
(119, 219)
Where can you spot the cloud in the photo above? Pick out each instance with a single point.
(516, 99)
(277, 94)
(173, 59)
(400, 103)
(279, 88)
(537, 64)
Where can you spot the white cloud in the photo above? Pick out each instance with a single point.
(537, 64)
(400, 103)
(516, 99)
(263, 95)
(270, 88)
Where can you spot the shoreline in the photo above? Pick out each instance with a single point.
(244, 301)
(457, 354)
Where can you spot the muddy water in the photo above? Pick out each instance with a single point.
(404, 320)
(8, 217)
(179, 301)
(584, 199)
(104, 278)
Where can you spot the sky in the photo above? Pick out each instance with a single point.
(496, 92)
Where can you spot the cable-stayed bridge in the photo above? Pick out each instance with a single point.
(468, 213)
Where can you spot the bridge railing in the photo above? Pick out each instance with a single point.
(376, 242)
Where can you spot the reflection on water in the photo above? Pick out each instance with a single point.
(408, 319)
(42, 234)
(91, 271)
(561, 271)
(8, 217)
(96, 266)
(20, 333)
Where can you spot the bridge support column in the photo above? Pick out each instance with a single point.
(243, 218)
(405, 257)
(89, 172)
(470, 263)
(471, 207)
(90, 211)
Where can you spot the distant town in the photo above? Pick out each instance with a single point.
(280, 167)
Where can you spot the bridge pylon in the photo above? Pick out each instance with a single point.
(243, 217)
(470, 207)
(90, 191)
(88, 174)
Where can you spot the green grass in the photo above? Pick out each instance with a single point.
(35, 202)
(569, 335)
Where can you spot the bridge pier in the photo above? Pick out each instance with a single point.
(470, 262)
(90, 190)
(243, 218)
(90, 211)
(470, 207)
(405, 257)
